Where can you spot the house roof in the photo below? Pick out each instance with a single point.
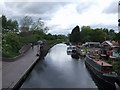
(111, 44)
(108, 42)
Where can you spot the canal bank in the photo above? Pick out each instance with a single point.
(14, 73)
(58, 70)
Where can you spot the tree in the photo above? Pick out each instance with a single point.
(0, 24)
(119, 22)
(39, 25)
(11, 44)
(9, 24)
(46, 29)
(75, 35)
(25, 23)
(86, 32)
(4, 22)
(111, 34)
(15, 26)
(98, 35)
(12, 25)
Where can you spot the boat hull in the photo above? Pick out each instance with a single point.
(76, 56)
(106, 82)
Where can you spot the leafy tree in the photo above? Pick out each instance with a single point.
(86, 33)
(11, 44)
(75, 35)
(12, 25)
(15, 26)
(0, 24)
(119, 22)
(46, 29)
(111, 34)
(49, 36)
(98, 35)
(39, 25)
(116, 67)
(4, 22)
(9, 25)
(25, 23)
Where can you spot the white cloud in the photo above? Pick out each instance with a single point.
(65, 17)
(68, 16)
(1, 6)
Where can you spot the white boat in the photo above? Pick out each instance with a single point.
(70, 50)
(73, 51)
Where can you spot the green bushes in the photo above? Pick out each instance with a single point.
(116, 67)
(10, 44)
(13, 40)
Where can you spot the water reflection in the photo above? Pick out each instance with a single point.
(59, 70)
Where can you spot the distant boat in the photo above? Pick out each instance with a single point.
(67, 43)
(102, 70)
(73, 51)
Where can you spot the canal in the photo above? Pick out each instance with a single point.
(59, 70)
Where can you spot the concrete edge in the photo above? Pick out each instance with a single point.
(17, 84)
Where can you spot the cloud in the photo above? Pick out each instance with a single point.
(112, 8)
(44, 10)
(59, 30)
(114, 27)
(83, 6)
(68, 16)
(34, 7)
(42, 7)
(63, 16)
(119, 11)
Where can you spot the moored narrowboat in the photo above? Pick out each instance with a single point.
(102, 70)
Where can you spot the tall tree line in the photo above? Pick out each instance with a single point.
(87, 34)
(15, 35)
(9, 24)
(26, 24)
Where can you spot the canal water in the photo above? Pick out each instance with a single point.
(59, 70)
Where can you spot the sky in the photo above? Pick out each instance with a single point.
(61, 16)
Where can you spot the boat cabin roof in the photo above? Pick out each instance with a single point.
(102, 63)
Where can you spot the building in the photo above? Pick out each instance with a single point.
(111, 45)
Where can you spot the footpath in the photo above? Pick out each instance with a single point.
(13, 72)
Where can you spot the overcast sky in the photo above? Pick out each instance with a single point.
(62, 16)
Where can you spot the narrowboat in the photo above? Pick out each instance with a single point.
(102, 70)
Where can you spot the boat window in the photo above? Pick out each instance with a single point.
(97, 46)
(106, 69)
(74, 48)
(68, 48)
(91, 45)
(73, 51)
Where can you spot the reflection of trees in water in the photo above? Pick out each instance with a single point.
(41, 65)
